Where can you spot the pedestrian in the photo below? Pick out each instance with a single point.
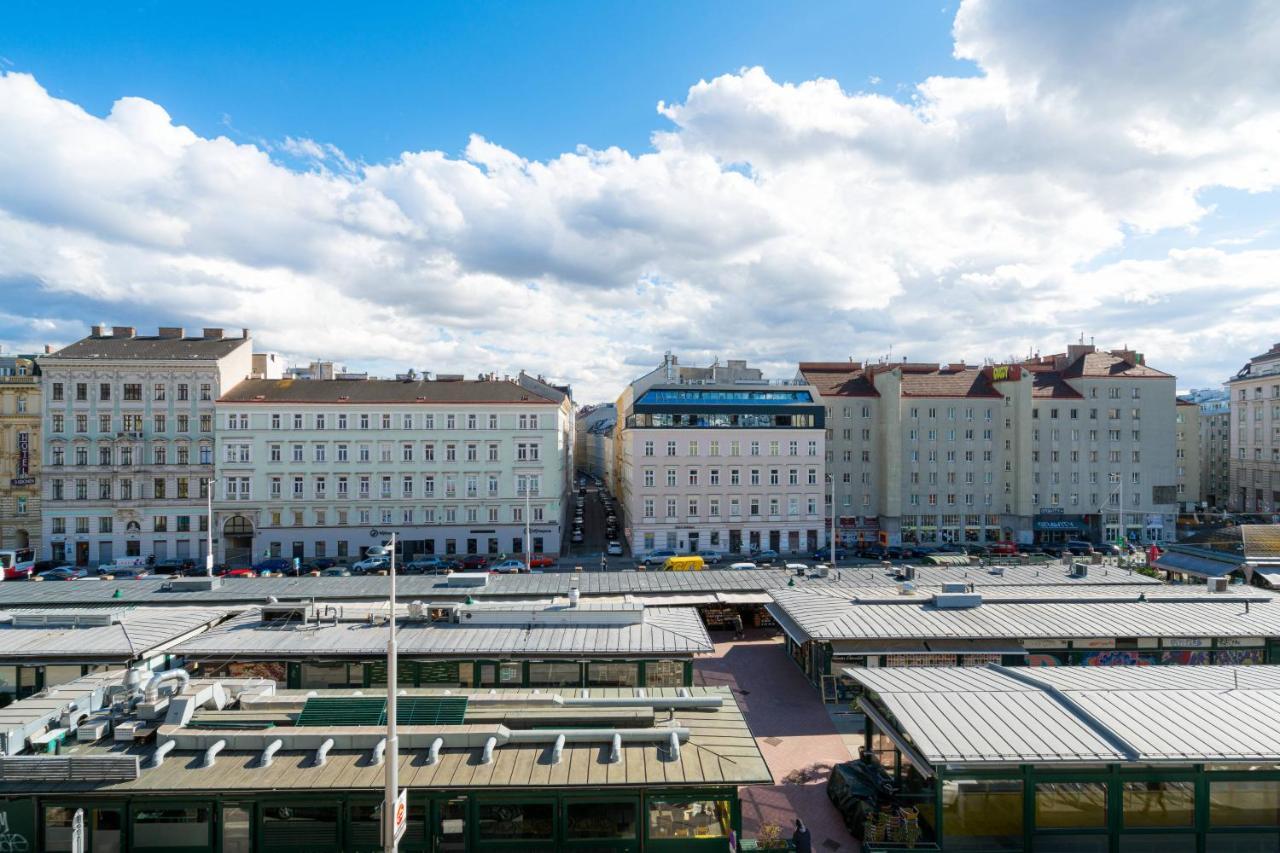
(738, 633)
(604, 563)
(801, 839)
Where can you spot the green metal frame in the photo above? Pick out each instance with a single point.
(410, 672)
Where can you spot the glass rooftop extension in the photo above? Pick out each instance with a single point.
(721, 396)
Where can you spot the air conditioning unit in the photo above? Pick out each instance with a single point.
(1219, 584)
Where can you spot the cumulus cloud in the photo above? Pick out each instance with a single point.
(982, 216)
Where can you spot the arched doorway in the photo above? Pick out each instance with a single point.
(237, 541)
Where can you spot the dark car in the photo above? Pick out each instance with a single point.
(172, 566)
(1053, 550)
(64, 573)
(273, 564)
(916, 552)
(428, 566)
(475, 562)
(766, 557)
(824, 554)
(1079, 547)
(1004, 549)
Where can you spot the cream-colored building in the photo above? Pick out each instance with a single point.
(19, 453)
(1215, 447)
(593, 440)
(129, 433)
(719, 458)
(1255, 435)
(1187, 455)
(1053, 448)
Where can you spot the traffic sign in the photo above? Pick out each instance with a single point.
(401, 814)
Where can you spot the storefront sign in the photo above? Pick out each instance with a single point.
(1094, 643)
(1188, 643)
(22, 481)
(1052, 510)
(859, 522)
(24, 454)
(1044, 644)
(1057, 524)
(1239, 642)
(1006, 372)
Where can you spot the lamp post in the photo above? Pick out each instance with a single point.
(208, 557)
(392, 793)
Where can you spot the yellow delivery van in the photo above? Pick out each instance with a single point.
(683, 564)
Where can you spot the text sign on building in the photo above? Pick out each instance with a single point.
(24, 454)
(1006, 372)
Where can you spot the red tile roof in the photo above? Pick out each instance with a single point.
(958, 381)
(1106, 365)
(1048, 383)
(838, 378)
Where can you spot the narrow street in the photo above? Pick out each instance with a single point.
(796, 736)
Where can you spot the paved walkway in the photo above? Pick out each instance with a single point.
(794, 732)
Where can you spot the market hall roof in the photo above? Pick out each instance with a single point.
(375, 391)
(707, 584)
(806, 615)
(99, 634)
(998, 716)
(483, 629)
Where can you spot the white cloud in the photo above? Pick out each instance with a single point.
(985, 215)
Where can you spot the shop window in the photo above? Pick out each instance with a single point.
(1237, 842)
(323, 675)
(600, 820)
(1156, 804)
(171, 828)
(237, 829)
(55, 675)
(1244, 802)
(57, 828)
(1071, 805)
(511, 821)
(1162, 842)
(982, 814)
(613, 674)
(664, 673)
(302, 827)
(555, 674)
(688, 819)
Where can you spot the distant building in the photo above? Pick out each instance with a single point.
(129, 434)
(1255, 435)
(593, 443)
(1187, 461)
(1215, 445)
(720, 458)
(1056, 447)
(20, 438)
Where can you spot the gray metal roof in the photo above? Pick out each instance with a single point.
(806, 616)
(1081, 715)
(139, 632)
(365, 391)
(664, 631)
(1204, 565)
(147, 347)
(232, 591)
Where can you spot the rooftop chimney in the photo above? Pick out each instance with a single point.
(171, 332)
(95, 331)
(244, 333)
(123, 331)
(213, 334)
(48, 348)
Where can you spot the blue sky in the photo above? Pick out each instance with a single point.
(478, 187)
(379, 79)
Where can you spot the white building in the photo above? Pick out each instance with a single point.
(593, 442)
(719, 458)
(311, 468)
(128, 441)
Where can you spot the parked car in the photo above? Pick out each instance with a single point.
(127, 573)
(64, 573)
(427, 566)
(1004, 549)
(475, 563)
(954, 548)
(766, 557)
(711, 557)
(823, 554)
(322, 563)
(743, 565)
(657, 557)
(614, 549)
(541, 561)
(1050, 549)
(172, 566)
(273, 564)
(336, 572)
(576, 536)
(507, 567)
(371, 564)
(1079, 547)
(240, 572)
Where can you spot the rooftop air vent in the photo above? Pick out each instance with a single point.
(956, 600)
(66, 619)
(469, 579)
(288, 612)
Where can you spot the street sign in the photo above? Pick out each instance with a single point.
(401, 814)
(77, 832)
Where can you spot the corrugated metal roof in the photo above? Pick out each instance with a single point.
(139, 632)
(152, 591)
(1261, 541)
(993, 715)
(720, 751)
(665, 631)
(1193, 564)
(825, 617)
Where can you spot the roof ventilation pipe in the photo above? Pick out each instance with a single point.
(322, 753)
(434, 754)
(212, 752)
(269, 753)
(151, 691)
(673, 746)
(557, 750)
(379, 752)
(157, 758)
(615, 751)
(486, 757)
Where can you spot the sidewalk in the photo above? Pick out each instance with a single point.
(794, 732)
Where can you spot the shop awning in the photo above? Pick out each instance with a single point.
(846, 648)
(1192, 564)
(975, 647)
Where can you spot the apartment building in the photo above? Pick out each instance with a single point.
(1215, 446)
(1052, 448)
(1255, 435)
(719, 458)
(19, 453)
(128, 423)
(1187, 455)
(593, 442)
(328, 467)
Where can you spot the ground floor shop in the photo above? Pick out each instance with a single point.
(785, 538)
(625, 819)
(311, 675)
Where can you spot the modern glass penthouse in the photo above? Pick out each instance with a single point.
(719, 458)
(235, 765)
(1085, 760)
